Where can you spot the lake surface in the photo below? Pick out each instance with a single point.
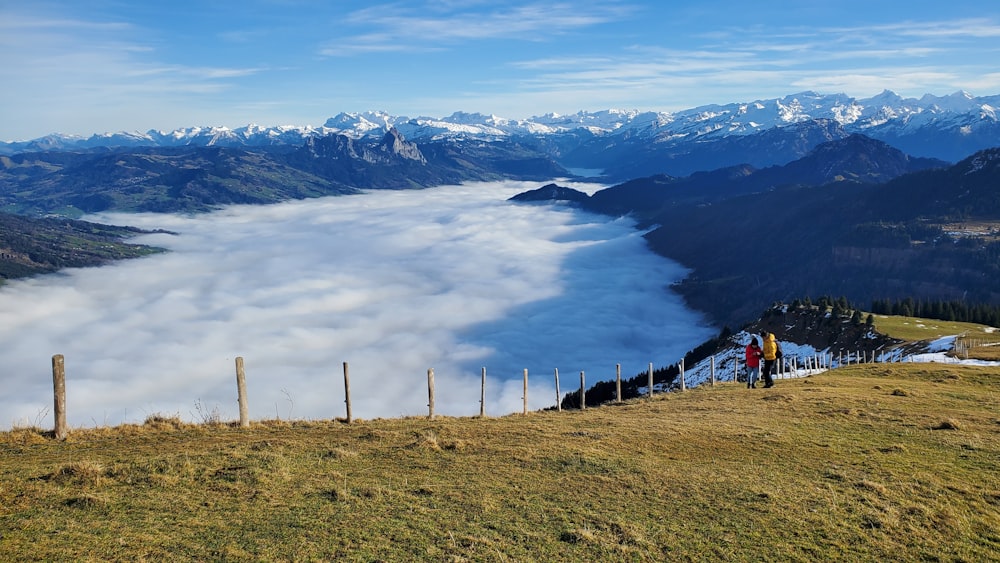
(453, 278)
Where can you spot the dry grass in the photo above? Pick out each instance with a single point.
(976, 341)
(914, 328)
(869, 463)
(982, 349)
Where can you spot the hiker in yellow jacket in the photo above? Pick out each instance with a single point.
(770, 350)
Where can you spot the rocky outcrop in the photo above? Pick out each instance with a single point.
(551, 192)
(394, 144)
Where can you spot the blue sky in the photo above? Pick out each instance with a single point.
(88, 66)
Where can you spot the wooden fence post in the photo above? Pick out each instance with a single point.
(650, 392)
(558, 397)
(430, 393)
(583, 393)
(736, 369)
(347, 393)
(59, 395)
(241, 392)
(525, 411)
(713, 371)
(618, 383)
(482, 396)
(683, 383)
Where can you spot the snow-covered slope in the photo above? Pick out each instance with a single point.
(803, 360)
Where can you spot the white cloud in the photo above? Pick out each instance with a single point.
(408, 29)
(392, 282)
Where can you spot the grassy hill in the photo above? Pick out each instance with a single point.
(877, 462)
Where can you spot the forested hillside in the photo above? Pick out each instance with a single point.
(931, 234)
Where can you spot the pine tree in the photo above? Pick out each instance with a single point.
(856, 318)
(838, 311)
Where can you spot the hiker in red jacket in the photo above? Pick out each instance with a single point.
(753, 354)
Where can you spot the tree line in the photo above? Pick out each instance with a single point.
(960, 311)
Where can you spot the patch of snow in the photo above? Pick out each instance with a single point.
(943, 344)
(941, 358)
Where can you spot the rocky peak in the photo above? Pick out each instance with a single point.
(394, 144)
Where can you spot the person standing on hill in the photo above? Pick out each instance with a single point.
(770, 356)
(753, 355)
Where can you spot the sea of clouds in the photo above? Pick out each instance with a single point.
(454, 278)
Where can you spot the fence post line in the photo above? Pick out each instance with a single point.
(683, 383)
(347, 392)
(618, 383)
(430, 393)
(713, 371)
(241, 392)
(583, 393)
(650, 392)
(59, 396)
(482, 396)
(558, 397)
(525, 411)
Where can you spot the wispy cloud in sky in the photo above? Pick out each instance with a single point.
(84, 67)
(394, 283)
(408, 28)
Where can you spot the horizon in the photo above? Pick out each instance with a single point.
(92, 67)
(445, 118)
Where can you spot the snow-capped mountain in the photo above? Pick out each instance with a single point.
(948, 127)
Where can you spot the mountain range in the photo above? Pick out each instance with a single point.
(765, 201)
(622, 143)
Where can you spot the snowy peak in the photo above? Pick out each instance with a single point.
(885, 115)
(958, 102)
(360, 124)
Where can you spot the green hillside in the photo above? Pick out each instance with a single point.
(32, 246)
(867, 463)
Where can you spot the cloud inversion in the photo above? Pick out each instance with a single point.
(394, 282)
